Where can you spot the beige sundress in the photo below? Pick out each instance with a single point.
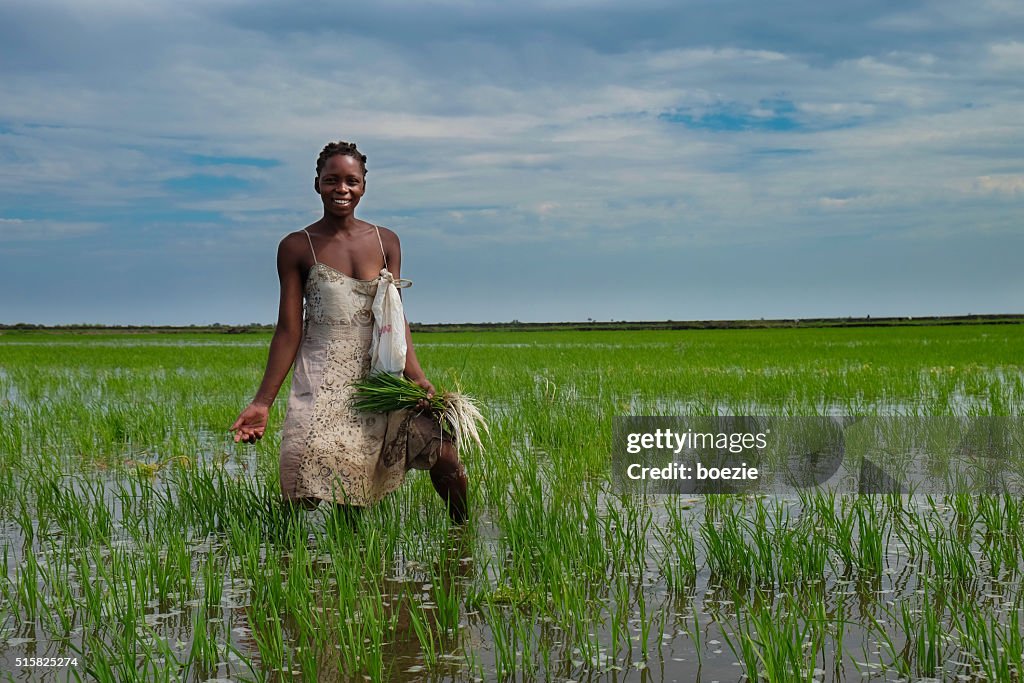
(329, 450)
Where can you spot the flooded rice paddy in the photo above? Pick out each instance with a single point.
(138, 542)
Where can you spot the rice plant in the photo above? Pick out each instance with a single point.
(138, 536)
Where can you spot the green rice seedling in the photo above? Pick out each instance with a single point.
(179, 556)
(645, 624)
(138, 505)
(61, 603)
(679, 558)
(965, 514)
(636, 531)
(995, 646)
(839, 623)
(348, 636)
(161, 666)
(871, 539)
(619, 615)
(204, 653)
(265, 611)
(124, 600)
(305, 655)
(244, 541)
(906, 531)
(1001, 542)
(100, 518)
(298, 572)
(382, 393)
(6, 584)
(879, 631)
(951, 560)
(126, 633)
(90, 584)
(581, 634)
(546, 646)
(424, 629)
(694, 631)
(504, 636)
(309, 632)
(777, 645)
(155, 571)
(526, 635)
(729, 558)
(925, 651)
(213, 585)
(268, 632)
(745, 647)
(378, 628)
(23, 516)
(27, 579)
(69, 511)
(663, 632)
(842, 541)
(102, 662)
(800, 557)
(760, 530)
(361, 626)
(446, 599)
(997, 514)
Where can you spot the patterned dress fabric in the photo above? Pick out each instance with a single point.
(328, 450)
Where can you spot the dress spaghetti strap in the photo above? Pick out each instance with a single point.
(313, 251)
(377, 228)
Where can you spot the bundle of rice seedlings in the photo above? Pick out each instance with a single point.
(458, 413)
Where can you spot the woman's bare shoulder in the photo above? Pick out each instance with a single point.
(389, 237)
(297, 236)
(294, 247)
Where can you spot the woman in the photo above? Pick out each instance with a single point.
(328, 450)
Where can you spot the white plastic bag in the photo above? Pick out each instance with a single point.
(387, 349)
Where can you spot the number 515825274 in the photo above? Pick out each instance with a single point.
(45, 661)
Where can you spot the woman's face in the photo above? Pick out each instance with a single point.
(341, 184)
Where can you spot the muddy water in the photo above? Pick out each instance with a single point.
(8, 391)
(688, 642)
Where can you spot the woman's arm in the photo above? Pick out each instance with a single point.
(413, 371)
(252, 422)
(288, 333)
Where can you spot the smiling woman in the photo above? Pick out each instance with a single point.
(329, 450)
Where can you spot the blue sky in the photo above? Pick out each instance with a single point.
(540, 160)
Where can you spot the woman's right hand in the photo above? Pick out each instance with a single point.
(251, 423)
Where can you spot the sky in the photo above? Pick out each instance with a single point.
(540, 161)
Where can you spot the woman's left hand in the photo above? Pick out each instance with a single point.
(425, 384)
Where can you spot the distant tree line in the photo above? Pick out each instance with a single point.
(590, 324)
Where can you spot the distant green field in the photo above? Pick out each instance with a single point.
(140, 540)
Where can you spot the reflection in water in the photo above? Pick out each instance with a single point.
(392, 628)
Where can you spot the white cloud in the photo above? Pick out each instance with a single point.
(685, 58)
(529, 123)
(833, 202)
(20, 230)
(1008, 184)
(1008, 56)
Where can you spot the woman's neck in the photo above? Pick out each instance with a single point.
(339, 224)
